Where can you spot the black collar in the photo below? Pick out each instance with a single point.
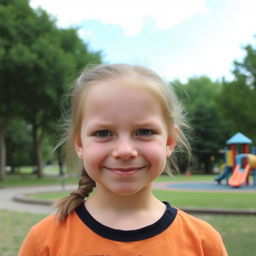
(128, 235)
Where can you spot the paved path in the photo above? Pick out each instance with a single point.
(7, 195)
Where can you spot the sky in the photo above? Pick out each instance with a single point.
(179, 39)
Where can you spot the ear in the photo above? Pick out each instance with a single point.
(171, 140)
(79, 148)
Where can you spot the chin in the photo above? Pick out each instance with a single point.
(126, 191)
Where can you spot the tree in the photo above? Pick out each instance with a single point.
(13, 50)
(19, 144)
(36, 58)
(238, 98)
(59, 53)
(210, 129)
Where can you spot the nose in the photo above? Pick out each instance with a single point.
(124, 149)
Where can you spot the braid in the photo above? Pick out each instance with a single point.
(68, 204)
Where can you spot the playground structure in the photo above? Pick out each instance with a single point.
(238, 166)
(244, 164)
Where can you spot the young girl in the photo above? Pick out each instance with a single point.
(125, 123)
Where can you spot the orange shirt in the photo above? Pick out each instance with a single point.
(176, 234)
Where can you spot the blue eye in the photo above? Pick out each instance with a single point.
(103, 133)
(145, 132)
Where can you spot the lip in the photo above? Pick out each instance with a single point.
(126, 171)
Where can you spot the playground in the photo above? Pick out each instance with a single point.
(238, 175)
(240, 164)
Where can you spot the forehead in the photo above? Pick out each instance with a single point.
(120, 95)
(113, 87)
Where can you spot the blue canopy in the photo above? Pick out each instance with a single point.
(239, 138)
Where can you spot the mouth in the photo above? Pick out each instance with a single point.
(125, 170)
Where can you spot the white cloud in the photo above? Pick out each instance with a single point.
(131, 15)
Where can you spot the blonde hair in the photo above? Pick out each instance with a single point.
(173, 112)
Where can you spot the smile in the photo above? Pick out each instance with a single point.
(126, 170)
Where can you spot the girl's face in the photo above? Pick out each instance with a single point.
(124, 138)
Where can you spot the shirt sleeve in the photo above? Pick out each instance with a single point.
(29, 245)
(213, 245)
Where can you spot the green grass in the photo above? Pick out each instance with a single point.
(19, 180)
(181, 199)
(25, 178)
(179, 178)
(208, 199)
(238, 231)
(185, 199)
(49, 195)
(31, 180)
(50, 169)
(13, 229)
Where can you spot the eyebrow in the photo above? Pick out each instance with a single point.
(103, 123)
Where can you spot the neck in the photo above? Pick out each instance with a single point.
(108, 200)
(125, 212)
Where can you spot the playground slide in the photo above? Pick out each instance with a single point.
(225, 174)
(239, 176)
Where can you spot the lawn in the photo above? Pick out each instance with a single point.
(13, 228)
(224, 200)
(238, 231)
(31, 180)
(25, 178)
(185, 199)
(208, 199)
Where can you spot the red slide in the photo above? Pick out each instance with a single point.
(239, 176)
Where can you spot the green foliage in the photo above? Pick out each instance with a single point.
(36, 60)
(19, 144)
(238, 98)
(211, 131)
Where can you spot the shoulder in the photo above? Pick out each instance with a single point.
(51, 225)
(200, 232)
(51, 229)
(33, 243)
(48, 234)
(193, 224)
(49, 220)
(45, 228)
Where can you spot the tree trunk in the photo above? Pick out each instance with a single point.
(2, 154)
(60, 161)
(38, 154)
(207, 164)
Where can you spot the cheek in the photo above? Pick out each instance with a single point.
(94, 154)
(156, 153)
